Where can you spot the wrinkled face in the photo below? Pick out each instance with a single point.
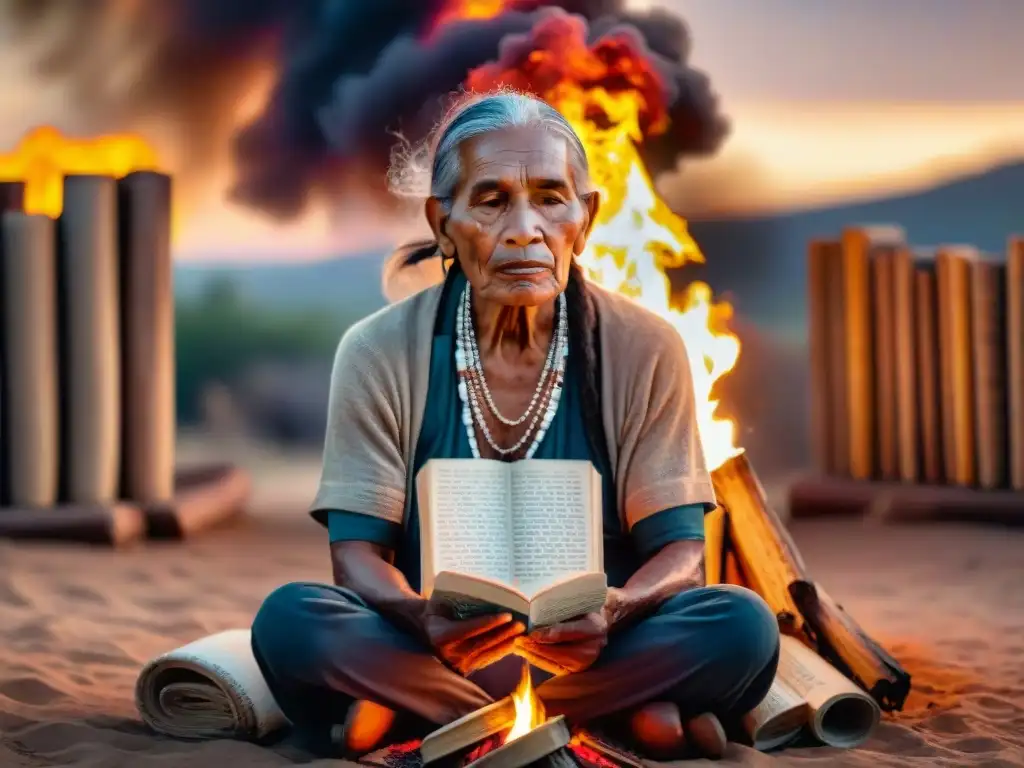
(517, 220)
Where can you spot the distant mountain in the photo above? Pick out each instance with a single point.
(761, 262)
(347, 286)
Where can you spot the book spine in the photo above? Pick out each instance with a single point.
(857, 351)
(884, 349)
(820, 263)
(956, 380)
(904, 337)
(1015, 357)
(926, 338)
(988, 348)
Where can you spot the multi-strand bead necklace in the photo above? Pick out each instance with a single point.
(475, 394)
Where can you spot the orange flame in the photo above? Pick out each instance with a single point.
(45, 156)
(612, 98)
(529, 709)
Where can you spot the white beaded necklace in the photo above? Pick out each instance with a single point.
(474, 392)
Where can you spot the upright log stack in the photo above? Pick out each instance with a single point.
(87, 434)
(917, 379)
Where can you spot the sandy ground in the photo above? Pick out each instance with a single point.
(76, 625)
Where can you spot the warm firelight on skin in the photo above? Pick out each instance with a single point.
(636, 237)
(45, 156)
(529, 709)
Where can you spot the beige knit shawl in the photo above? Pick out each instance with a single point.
(379, 391)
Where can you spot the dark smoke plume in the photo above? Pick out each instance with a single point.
(349, 74)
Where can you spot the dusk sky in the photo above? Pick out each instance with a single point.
(830, 100)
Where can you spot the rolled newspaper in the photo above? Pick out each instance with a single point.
(210, 688)
(809, 692)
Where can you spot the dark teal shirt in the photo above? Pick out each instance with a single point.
(443, 435)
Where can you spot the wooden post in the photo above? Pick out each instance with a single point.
(988, 359)
(858, 243)
(12, 198)
(956, 382)
(883, 300)
(30, 352)
(91, 365)
(926, 341)
(822, 258)
(147, 337)
(907, 422)
(1015, 357)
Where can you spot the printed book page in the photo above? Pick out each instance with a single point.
(465, 506)
(556, 522)
(778, 719)
(840, 714)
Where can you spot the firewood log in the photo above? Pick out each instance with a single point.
(842, 642)
(714, 545)
(831, 497)
(770, 560)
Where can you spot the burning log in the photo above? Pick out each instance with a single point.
(715, 538)
(849, 649)
(732, 571)
(770, 560)
(91, 361)
(30, 359)
(147, 337)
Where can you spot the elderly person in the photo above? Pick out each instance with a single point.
(515, 356)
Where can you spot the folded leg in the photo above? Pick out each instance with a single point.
(713, 649)
(320, 648)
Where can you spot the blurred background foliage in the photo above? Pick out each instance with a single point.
(241, 361)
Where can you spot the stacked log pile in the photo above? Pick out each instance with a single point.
(917, 365)
(747, 544)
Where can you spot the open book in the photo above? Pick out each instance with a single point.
(451, 743)
(810, 693)
(524, 537)
(468, 731)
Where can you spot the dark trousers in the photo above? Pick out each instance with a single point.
(320, 647)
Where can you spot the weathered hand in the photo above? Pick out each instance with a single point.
(572, 646)
(470, 644)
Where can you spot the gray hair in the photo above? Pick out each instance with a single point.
(434, 169)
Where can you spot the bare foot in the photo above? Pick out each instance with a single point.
(661, 733)
(366, 724)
